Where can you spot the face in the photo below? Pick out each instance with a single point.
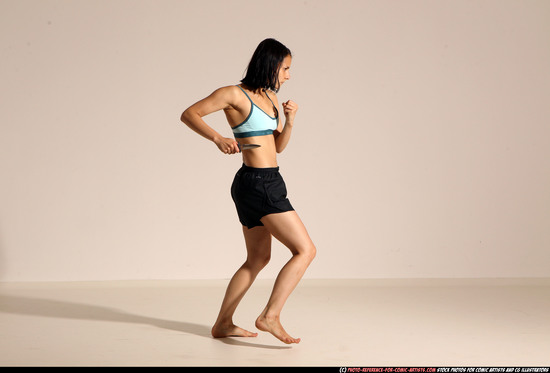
(284, 71)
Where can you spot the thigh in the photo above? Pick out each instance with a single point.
(258, 241)
(288, 228)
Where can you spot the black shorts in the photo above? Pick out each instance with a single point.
(258, 192)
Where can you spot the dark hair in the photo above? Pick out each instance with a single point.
(263, 69)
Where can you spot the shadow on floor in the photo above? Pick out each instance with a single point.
(70, 310)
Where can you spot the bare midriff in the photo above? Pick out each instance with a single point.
(263, 157)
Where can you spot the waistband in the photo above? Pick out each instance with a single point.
(246, 168)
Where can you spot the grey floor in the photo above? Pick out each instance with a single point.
(497, 322)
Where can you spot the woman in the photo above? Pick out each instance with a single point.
(258, 189)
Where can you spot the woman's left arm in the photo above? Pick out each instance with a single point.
(283, 137)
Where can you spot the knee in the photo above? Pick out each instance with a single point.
(308, 252)
(258, 262)
(312, 252)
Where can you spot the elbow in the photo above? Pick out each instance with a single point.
(185, 116)
(189, 116)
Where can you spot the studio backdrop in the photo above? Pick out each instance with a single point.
(421, 146)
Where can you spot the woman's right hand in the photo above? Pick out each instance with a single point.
(227, 145)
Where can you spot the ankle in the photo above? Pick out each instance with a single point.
(223, 322)
(271, 316)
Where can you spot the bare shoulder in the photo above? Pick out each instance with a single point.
(232, 95)
(224, 98)
(227, 92)
(273, 96)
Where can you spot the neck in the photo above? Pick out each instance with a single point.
(256, 91)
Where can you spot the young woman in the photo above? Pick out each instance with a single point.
(258, 190)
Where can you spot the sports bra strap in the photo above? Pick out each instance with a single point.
(246, 94)
(274, 108)
(252, 102)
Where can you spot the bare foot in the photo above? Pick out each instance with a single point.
(230, 330)
(273, 326)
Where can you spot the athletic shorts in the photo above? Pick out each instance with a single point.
(258, 192)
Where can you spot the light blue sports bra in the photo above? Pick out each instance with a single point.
(257, 123)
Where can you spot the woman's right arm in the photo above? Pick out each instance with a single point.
(220, 99)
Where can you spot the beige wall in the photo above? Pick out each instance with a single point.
(421, 149)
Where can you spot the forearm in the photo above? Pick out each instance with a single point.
(197, 124)
(284, 137)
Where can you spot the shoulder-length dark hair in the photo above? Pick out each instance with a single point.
(263, 69)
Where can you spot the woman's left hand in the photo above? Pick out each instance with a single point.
(290, 108)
